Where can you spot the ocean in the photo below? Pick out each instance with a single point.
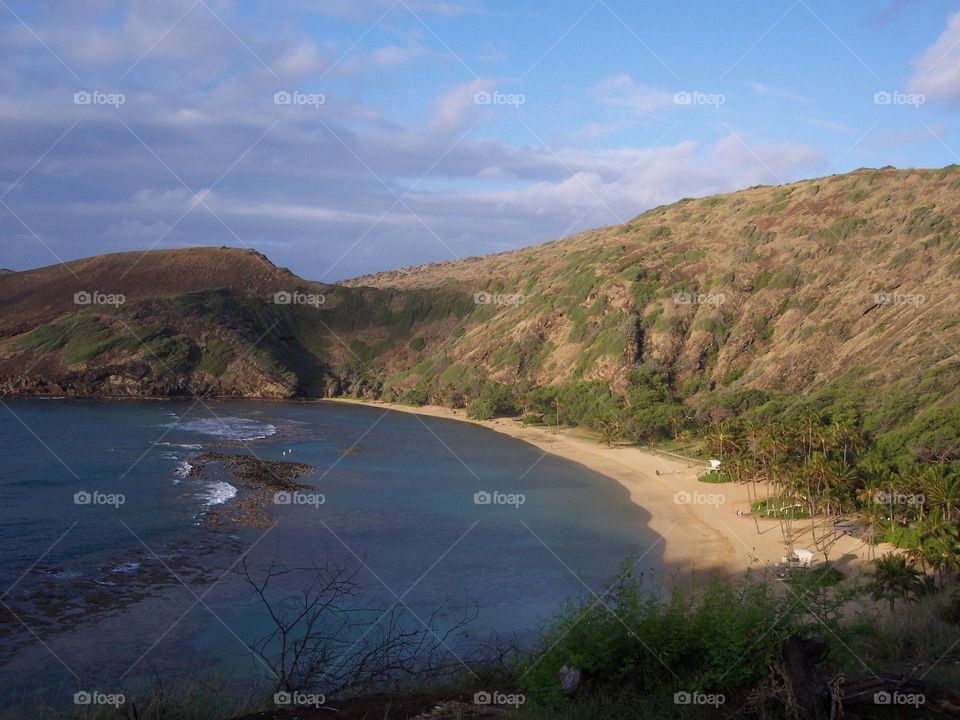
(119, 562)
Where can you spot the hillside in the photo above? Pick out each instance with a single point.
(840, 287)
(200, 321)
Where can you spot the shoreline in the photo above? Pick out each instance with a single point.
(697, 523)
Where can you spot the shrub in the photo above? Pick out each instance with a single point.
(414, 396)
(480, 409)
(720, 640)
(493, 400)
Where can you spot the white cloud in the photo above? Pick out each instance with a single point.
(622, 91)
(303, 58)
(760, 88)
(452, 109)
(829, 125)
(937, 72)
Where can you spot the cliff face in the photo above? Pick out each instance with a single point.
(774, 288)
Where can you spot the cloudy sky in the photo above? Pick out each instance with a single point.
(341, 137)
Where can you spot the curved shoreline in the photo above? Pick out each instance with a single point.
(697, 523)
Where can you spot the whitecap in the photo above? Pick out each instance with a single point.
(185, 446)
(231, 428)
(218, 493)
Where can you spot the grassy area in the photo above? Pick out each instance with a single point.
(715, 477)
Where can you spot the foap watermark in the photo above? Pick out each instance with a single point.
(685, 297)
(695, 97)
(499, 98)
(685, 697)
(299, 699)
(895, 97)
(298, 298)
(95, 97)
(684, 497)
(296, 97)
(897, 298)
(95, 497)
(299, 498)
(897, 498)
(499, 498)
(913, 700)
(484, 697)
(95, 697)
(84, 297)
(486, 298)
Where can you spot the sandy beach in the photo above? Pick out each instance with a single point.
(698, 523)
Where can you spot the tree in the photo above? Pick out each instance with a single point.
(896, 579)
(324, 638)
(720, 439)
(941, 489)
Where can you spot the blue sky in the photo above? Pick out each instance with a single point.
(426, 130)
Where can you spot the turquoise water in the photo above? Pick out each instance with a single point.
(103, 588)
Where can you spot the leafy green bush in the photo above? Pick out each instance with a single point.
(720, 640)
(481, 409)
(493, 400)
(414, 396)
(417, 344)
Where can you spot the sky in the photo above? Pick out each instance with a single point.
(344, 137)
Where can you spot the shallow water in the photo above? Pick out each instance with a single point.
(109, 580)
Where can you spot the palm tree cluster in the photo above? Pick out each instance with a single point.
(827, 467)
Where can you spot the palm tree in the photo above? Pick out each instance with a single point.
(676, 421)
(941, 488)
(720, 439)
(878, 478)
(896, 579)
(939, 546)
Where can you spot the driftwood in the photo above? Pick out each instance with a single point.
(824, 695)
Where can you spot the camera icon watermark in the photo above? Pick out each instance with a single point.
(683, 497)
(295, 97)
(299, 498)
(897, 298)
(896, 498)
(487, 298)
(685, 697)
(286, 698)
(485, 697)
(496, 497)
(695, 97)
(895, 97)
(285, 297)
(84, 297)
(95, 97)
(685, 297)
(485, 97)
(914, 700)
(95, 697)
(95, 497)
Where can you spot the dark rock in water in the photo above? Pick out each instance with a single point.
(263, 481)
(267, 474)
